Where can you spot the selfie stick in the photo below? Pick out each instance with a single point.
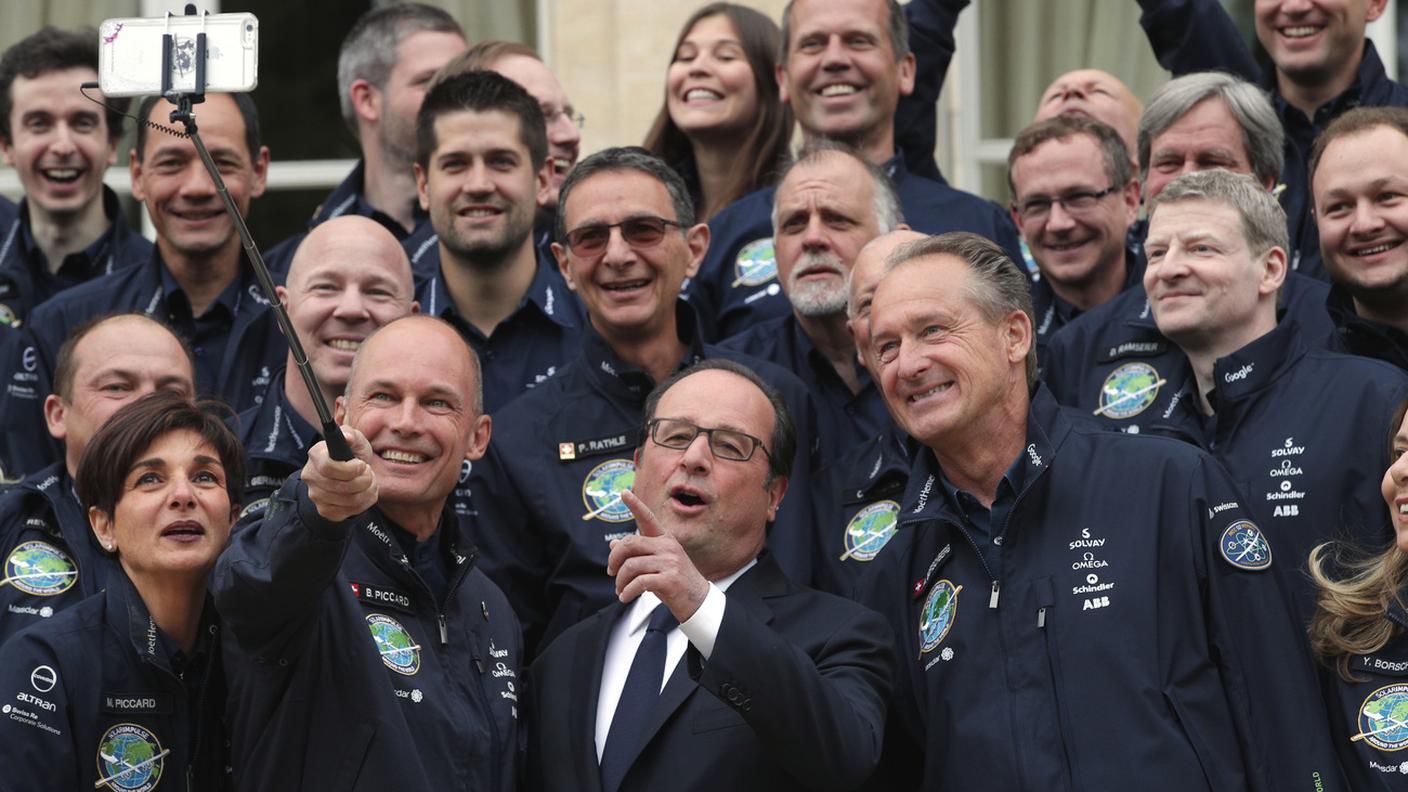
(332, 434)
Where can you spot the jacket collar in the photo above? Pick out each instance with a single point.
(547, 295)
(880, 463)
(348, 198)
(374, 534)
(607, 372)
(56, 487)
(1256, 365)
(1047, 428)
(127, 614)
(277, 425)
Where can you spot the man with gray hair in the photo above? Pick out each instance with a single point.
(844, 66)
(1217, 256)
(1112, 360)
(1093, 597)
(561, 457)
(1322, 64)
(829, 203)
(383, 71)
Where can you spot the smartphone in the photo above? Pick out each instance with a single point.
(130, 58)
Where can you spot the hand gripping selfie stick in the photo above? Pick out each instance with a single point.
(332, 434)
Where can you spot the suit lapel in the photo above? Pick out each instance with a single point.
(590, 654)
(765, 579)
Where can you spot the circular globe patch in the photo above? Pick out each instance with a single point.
(940, 609)
(398, 650)
(870, 530)
(1383, 718)
(601, 491)
(40, 569)
(1243, 546)
(130, 758)
(1129, 390)
(755, 264)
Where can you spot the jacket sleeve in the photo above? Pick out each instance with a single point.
(1197, 35)
(1261, 651)
(931, 25)
(37, 747)
(821, 718)
(268, 581)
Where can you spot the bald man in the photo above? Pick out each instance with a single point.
(1099, 95)
(364, 642)
(857, 502)
(349, 277)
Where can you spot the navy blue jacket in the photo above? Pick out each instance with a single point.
(855, 508)
(52, 558)
(844, 419)
(792, 697)
(99, 691)
(1300, 431)
(345, 199)
(1198, 35)
(346, 674)
(528, 347)
(736, 287)
(275, 439)
(548, 490)
(1359, 336)
(1053, 313)
(1129, 636)
(237, 343)
(25, 279)
(1373, 705)
(1112, 355)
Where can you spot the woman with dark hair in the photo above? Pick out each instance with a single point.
(723, 126)
(1360, 632)
(124, 690)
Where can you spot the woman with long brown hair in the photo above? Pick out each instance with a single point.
(723, 126)
(1360, 632)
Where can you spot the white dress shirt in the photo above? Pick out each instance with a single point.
(701, 629)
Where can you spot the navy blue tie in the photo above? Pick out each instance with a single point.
(638, 700)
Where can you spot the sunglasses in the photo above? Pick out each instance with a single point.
(638, 232)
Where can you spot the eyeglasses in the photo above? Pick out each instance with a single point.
(724, 443)
(1074, 203)
(573, 117)
(639, 232)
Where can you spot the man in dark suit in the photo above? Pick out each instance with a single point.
(681, 685)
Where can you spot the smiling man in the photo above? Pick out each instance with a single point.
(196, 279)
(1360, 174)
(52, 558)
(364, 643)
(481, 171)
(707, 629)
(829, 203)
(1323, 65)
(1014, 552)
(70, 227)
(845, 64)
(349, 277)
(561, 456)
(1074, 198)
(1217, 256)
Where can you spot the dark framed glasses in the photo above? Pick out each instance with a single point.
(1074, 203)
(723, 443)
(639, 232)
